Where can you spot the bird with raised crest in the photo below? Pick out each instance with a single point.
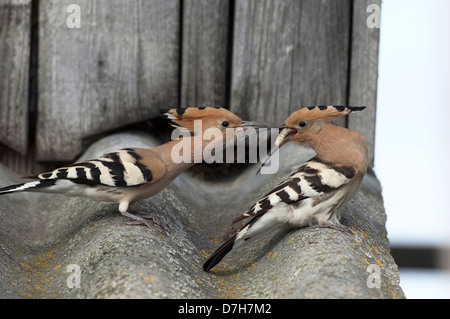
(316, 192)
(132, 174)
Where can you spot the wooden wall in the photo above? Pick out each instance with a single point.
(262, 59)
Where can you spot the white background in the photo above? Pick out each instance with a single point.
(412, 150)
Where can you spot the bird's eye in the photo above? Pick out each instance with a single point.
(302, 124)
(225, 124)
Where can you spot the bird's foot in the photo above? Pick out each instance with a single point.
(140, 219)
(333, 226)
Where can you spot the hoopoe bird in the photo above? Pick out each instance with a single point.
(314, 194)
(131, 174)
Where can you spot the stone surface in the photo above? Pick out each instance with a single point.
(42, 234)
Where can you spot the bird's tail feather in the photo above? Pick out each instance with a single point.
(236, 241)
(27, 186)
(219, 254)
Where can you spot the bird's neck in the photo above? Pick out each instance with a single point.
(188, 151)
(341, 146)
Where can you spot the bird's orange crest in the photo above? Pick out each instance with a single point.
(185, 117)
(325, 112)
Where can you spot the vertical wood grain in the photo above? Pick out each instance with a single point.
(205, 50)
(287, 55)
(119, 67)
(364, 73)
(15, 20)
(263, 59)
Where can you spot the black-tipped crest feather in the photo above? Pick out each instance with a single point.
(339, 108)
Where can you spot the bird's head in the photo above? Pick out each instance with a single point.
(210, 117)
(305, 123)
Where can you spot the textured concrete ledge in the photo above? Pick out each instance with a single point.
(41, 234)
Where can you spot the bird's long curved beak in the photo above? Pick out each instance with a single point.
(279, 125)
(255, 124)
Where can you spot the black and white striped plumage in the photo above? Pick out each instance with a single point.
(122, 168)
(311, 195)
(117, 169)
(317, 191)
(119, 176)
(131, 174)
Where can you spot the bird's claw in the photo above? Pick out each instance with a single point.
(140, 219)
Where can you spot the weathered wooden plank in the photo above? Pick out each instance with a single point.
(24, 165)
(364, 71)
(289, 54)
(119, 67)
(205, 51)
(15, 19)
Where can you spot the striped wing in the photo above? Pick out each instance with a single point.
(121, 169)
(314, 179)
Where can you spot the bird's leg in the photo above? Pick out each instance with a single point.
(157, 226)
(142, 216)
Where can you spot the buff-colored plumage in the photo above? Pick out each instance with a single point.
(132, 174)
(330, 142)
(316, 192)
(210, 117)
